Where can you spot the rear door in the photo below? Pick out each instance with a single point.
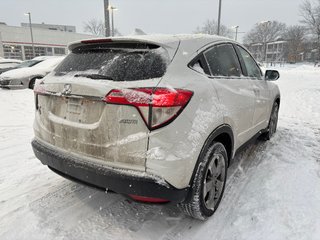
(234, 91)
(260, 88)
(73, 116)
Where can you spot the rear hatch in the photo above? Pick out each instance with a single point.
(72, 113)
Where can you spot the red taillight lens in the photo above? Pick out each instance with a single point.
(39, 87)
(157, 106)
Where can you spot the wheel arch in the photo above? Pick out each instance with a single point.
(34, 79)
(222, 134)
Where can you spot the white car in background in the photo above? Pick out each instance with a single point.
(26, 77)
(24, 64)
(6, 64)
(156, 118)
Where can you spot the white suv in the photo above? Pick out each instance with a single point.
(156, 118)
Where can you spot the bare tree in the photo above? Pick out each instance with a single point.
(263, 33)
(310, 12)
(211, 27)
(95, 27)
(294, 35)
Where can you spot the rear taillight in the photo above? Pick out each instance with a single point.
(157, 107)
(39, 87)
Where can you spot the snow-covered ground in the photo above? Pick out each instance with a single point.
(273, 188)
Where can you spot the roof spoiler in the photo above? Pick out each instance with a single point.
(123, 40)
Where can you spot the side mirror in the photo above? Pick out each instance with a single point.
(271, 75)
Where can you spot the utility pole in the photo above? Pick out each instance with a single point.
(112, 9)
(107, 18)
(30, 25)
(219, 18)
(236, 32)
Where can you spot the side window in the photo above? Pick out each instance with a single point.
(223, 61)
(200, 65)
(252, 69)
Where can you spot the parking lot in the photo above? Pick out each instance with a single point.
(272, 192)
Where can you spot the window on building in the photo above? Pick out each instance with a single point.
(59, 51)
(12, 51)
(40, 51)
(28, 53)
(49, 51)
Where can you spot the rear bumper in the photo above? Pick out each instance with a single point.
(93, 174)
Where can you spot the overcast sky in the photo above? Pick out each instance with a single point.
(152, 16)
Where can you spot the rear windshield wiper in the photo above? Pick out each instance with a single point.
(94, 76)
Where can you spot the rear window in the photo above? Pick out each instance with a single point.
(118, 63)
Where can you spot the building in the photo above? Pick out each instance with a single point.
(15, 42)
(274, 52)
(257, 50)
(285, 51)
(53, 27)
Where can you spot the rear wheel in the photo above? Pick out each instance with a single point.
(208, 185)
(273, 122)
(33, 81)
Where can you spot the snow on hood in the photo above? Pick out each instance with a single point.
(42, 68)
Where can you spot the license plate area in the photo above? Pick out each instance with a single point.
(75, 109)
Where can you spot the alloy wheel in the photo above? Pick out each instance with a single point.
(214, 181)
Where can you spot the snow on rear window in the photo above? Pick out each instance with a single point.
(118, 64)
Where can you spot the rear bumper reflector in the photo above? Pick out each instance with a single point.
(148, 199)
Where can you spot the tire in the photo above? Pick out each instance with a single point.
(208, 185)
(273, 123)
(33, 81)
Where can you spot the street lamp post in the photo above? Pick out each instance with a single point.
(219, 18)
(30, 25)
(236, 37)
(112, 8)
(106, 18)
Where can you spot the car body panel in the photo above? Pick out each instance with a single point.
(174, 149)
(83, 123)
(116, 135)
